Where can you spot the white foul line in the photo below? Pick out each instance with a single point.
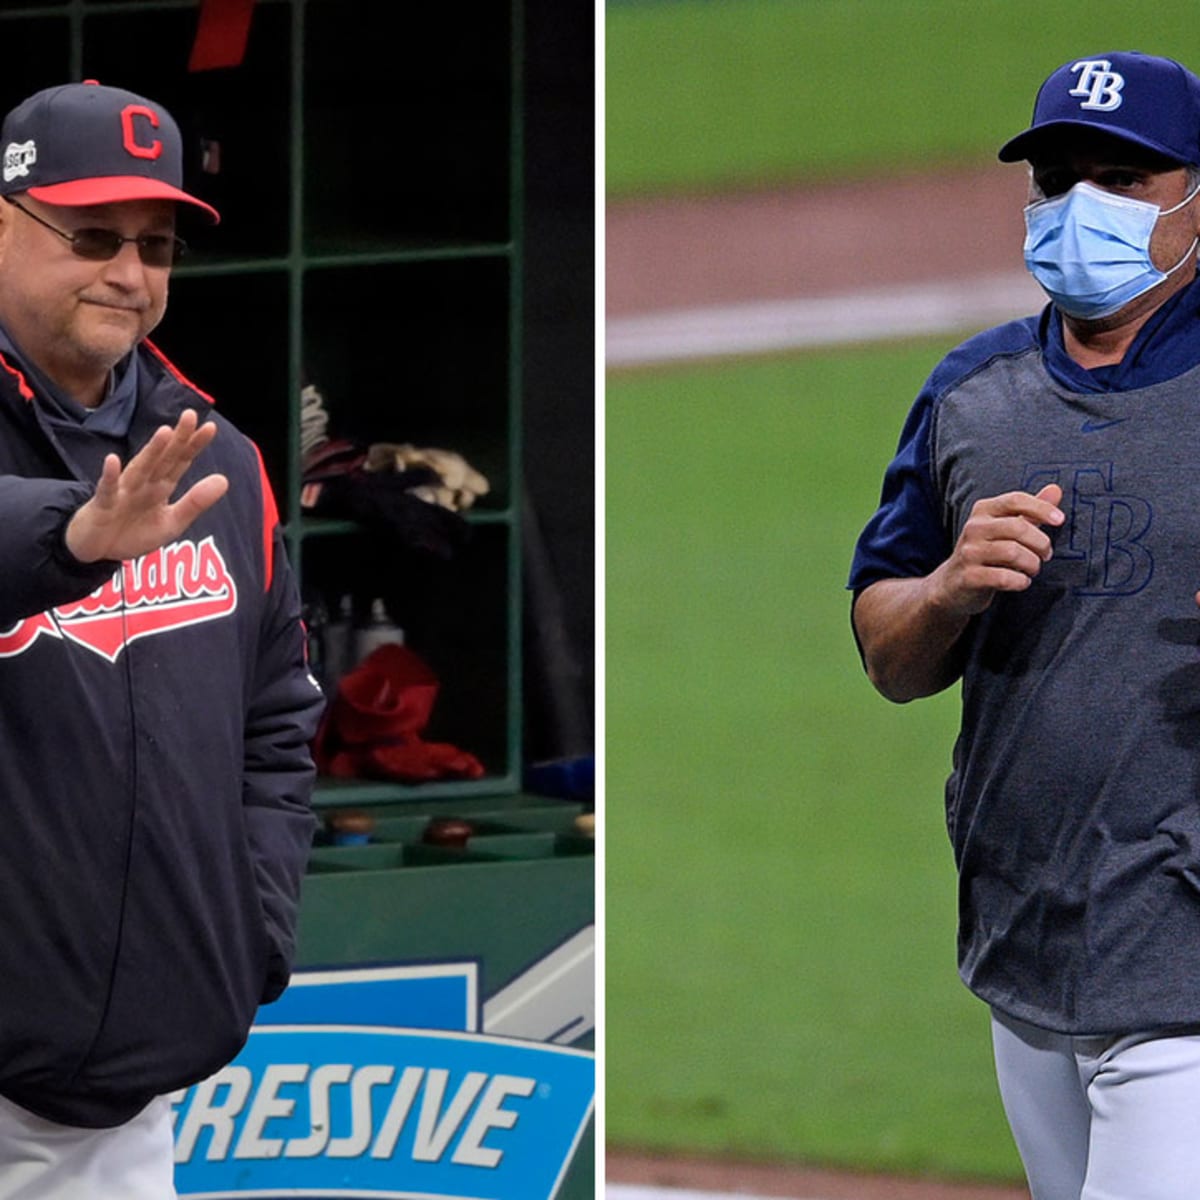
(872, 314)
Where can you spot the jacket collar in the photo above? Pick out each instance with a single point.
(1166, 347)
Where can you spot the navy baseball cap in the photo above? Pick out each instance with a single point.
(82, 143)
(1153, 102)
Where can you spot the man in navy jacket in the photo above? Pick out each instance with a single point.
(155, 703)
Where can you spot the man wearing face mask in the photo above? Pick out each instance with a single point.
(1038, 538)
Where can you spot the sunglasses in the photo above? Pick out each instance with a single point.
(100, 245)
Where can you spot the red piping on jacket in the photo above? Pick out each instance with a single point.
(270, 519)
(175, 371)
(22, 383)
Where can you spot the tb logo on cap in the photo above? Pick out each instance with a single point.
(1099, 83)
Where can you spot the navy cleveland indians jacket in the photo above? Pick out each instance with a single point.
(154, 775)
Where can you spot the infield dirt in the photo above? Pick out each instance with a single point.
(803, 242)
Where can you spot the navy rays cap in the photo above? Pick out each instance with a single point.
(1154, 102)
(83, 143)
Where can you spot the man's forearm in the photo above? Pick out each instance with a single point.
(910, 644)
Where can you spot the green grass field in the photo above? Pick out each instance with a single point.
(780, 891)
(780, 896)
(702, 94)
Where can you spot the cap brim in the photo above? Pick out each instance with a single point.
(1023, 144)
(79, 193)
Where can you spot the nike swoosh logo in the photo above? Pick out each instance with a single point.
(1096, 426)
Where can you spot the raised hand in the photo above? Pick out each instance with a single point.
(131, 512)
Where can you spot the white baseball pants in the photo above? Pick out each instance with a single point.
(41, 1160)
(1102, 1118)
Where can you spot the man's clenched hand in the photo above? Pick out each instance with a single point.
(1001, 549)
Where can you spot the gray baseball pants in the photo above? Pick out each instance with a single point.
(1102, 1118)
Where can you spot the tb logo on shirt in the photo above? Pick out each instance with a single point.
(1105, 531)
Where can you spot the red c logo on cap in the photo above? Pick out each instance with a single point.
(127, 132)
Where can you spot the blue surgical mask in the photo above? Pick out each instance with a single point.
(1090, 250)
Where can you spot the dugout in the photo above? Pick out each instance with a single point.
(370, 164)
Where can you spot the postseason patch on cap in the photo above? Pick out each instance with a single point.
(18, 158)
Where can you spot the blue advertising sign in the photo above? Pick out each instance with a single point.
(429, 996)
(376, 1083)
